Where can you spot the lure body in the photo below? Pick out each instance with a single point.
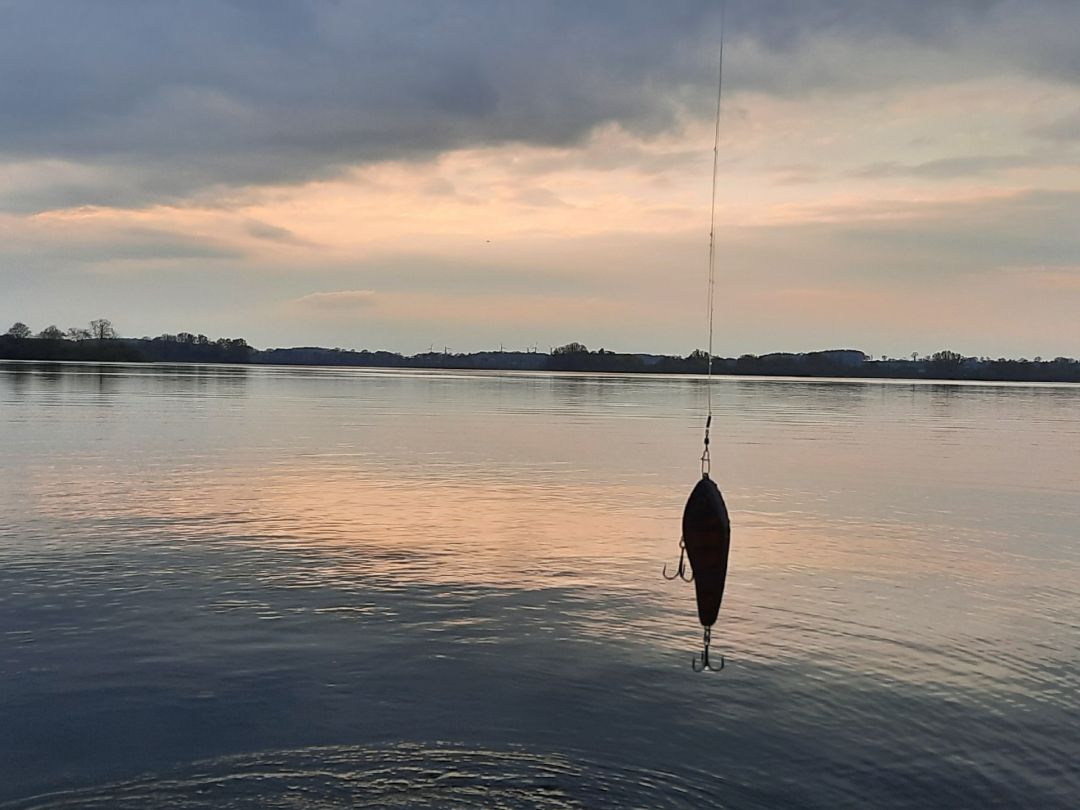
(706, 531)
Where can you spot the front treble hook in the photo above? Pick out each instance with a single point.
(701, 664)
(680, 572)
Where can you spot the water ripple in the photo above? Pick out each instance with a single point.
(404, 775)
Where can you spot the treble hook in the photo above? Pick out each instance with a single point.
(680, 572)
(704, 658)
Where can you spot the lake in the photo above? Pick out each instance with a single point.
(282, 587)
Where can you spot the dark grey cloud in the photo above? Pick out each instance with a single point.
(186, 96)
(790, 48)
(266, 92)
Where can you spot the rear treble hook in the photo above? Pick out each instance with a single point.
(701, 663)
(680, 572)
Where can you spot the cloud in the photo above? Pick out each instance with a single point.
(1031, 227)
(1065, 278)
(273, 233)
(168, 99)
(72, 241)
(341, 302)
(228, 92)
(944, 168)
(1063, 129)
(540, 198)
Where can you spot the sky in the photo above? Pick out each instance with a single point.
(896, 177)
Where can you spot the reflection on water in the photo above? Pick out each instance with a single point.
(324, 587)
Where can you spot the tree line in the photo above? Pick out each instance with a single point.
(100, 329)
(100, 341)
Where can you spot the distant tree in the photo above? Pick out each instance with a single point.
(75, 333)
(233, 350)
(945, 364)
(185, 337)
(102, 329)
(947, 358)
(19, 330)
(696, 361)
(52, 332)
(747, 364)
(571, 348)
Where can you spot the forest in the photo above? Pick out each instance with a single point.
(100, 342)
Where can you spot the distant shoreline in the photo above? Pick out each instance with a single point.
(842, 363)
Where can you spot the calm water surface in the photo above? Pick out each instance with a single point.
(308, 588)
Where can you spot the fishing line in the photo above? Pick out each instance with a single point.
(706, 461)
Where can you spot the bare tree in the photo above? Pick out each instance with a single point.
(51, 333)
(75, 333)
(102, 329)
(19, 330)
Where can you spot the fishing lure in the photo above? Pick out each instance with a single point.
(705, 544)
(706, 536)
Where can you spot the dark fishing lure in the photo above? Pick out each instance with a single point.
(706, 531)
(706, 541)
